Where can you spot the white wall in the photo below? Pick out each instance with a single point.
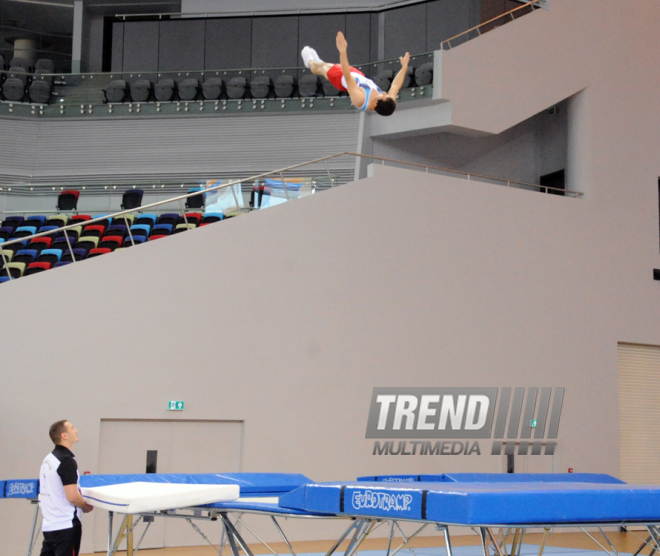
(287, 318)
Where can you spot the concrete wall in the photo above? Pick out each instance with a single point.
(524, 152)
(286, 319)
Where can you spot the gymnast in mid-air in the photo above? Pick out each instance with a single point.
(365, 94)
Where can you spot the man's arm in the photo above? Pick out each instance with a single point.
(397, 83)
(356, 93)
(75, 498)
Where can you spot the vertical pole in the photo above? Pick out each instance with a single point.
(129, 235)
(4, 260)
(286, 191)
(34, 526)
(129, 536)
(445, 532)
(73, 257)
(77, 47)
(327, 169)
(183, 213)
(110, 547)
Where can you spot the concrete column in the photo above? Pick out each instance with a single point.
(26, 48)
(578, 151)
(76, 50)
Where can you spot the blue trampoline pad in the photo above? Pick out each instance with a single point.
(497, 478)
(476, 503)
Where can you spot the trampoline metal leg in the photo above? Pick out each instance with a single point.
(484, 544)
(110, 547)
(341, 539)
(234, 536)
(643, 545)
(445, 532)
(545, 538)
(358, 529)
(34, 527)
(389, 540)
(492, 538)
(283, 535)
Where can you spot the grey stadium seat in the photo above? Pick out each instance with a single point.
(329, 90)
(384, 79)
(44, 65)
(261, 86)
(285, 86)
(213, 88)
(164, 90)
(308, 86)
(424, 74)
(141, 90)
(188, 89)
(13, 89)
(18, 72)
(18, 62)
(237, 87)
(116, 91)
(40, 90)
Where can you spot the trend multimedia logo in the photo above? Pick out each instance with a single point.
(522, 418)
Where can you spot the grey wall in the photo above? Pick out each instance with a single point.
(161, 147)
(524, 152)
(276, 41)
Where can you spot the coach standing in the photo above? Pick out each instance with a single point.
(59, 498)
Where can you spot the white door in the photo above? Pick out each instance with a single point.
(181, 447)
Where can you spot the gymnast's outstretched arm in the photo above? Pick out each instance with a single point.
(356, 94)
(397, 83)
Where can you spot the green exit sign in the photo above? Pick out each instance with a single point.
(175, 406)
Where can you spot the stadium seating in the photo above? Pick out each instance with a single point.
(95, 230)
(61, 243)
(98, 251)
(261, 87)
(169, 218)
(16, 270)
(188, 89)
(131, 199)
(147, 218)
(58, 220)
(79, 254)
(140, 230)
(68, 200)
(238, 88)
(26, 256)
(35, 268)
(309, 85)
(161, 230)
(40, 243)
(164, 90)
(112, 242)
(50, 256)
(116, 91)
(285, 86)
(424, 75)
(211, 217)
(79, 218)
(213, 88)
(86, 244)
(196, 201)
(141, 90)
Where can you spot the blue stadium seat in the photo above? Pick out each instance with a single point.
(24, 231)
(26, 256)
(169, 218)
(140, 229)
(136, 239)
(80, 254)
(117, 230)
(4, 279)
(147, 218)
(60, 243)
(50, 256)
(6, 232)
(211, 217)
(161, 230)
(36, 220)
(62, 263)
(48, 229)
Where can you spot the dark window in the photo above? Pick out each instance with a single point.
(556, 180)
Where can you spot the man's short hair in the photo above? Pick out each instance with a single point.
(56, 430)
(385, 106)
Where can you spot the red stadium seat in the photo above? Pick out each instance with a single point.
(99, 251)
(111, 242)
(156, 237)
(34, 268)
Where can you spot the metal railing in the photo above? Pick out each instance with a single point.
(482, 27)
(280, 174)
